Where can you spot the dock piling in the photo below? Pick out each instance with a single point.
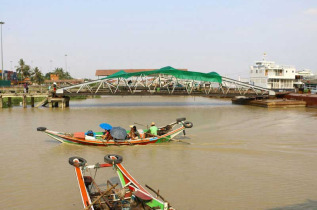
(32, 101)
(9, 101)
(24, 101)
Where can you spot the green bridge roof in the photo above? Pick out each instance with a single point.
(207, 77)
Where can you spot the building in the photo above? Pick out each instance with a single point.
(54, 77)
(107, 72)
(269, 75)
(306, 73)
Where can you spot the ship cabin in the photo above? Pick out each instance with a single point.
(269, 75)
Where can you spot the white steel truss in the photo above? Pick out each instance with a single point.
(164, 84)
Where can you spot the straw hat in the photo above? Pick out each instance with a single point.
(131, 126)
(153, 123)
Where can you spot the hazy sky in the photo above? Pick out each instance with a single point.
(201, 35)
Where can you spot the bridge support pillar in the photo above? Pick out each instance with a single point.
(1, 102)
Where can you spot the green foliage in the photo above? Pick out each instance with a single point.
(48, 75)
(62, 74)
(23, 70)
(37, 76)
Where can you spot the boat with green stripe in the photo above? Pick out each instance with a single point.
(126, 193)
(164, 134)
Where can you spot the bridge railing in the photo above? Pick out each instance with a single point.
(165, 84)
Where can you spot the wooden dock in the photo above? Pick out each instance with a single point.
(268, 103)
(278, 103)
(60, 102)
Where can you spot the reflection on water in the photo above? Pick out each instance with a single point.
(240, 157)
(149, 101)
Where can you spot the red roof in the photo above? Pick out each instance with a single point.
(107, 72)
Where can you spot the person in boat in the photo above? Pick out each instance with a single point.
(133, 134)
(153, 130)
(107, 135)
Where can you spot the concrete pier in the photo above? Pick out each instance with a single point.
(58, 102)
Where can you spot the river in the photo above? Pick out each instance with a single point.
(240, 157)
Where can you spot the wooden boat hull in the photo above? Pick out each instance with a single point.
(66, 138)
(126, 181)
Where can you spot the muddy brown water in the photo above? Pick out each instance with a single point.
(241, 157)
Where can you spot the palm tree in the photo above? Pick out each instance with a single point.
(37, 76)
(61, 74)
(23, 70)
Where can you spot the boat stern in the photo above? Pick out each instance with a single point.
(41, 129)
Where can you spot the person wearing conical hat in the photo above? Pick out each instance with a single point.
(153, 129)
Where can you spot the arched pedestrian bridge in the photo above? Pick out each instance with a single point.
(164, 81)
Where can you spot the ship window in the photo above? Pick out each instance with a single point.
(251, 71)
(256, 71)
(286, 71)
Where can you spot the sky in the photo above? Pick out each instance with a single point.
(202, 35)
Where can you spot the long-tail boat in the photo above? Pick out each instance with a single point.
(124, 194)
(164, 134)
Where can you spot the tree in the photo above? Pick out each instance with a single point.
(37, 76)
(48, 75)
(61, 74)
(23, 70)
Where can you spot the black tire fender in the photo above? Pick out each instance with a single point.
(108, 159)
(41, 129)
(82, 161)
(188, 124)
(180, 119)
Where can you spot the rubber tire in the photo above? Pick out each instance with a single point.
(41, 129)
(118, 159)
(188, 124)
(180, 119)
(82, 161)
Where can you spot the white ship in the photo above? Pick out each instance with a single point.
(269, 75)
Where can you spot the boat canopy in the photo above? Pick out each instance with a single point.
(207, 77)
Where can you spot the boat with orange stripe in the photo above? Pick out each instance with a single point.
(164, 134)
(126, 193)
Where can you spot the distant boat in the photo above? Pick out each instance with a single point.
(165, 134)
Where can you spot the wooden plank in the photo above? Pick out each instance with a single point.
(41, 103)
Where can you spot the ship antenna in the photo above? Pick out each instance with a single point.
(264, 55)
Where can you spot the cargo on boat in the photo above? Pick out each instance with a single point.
(125, 194)
(164, 134)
